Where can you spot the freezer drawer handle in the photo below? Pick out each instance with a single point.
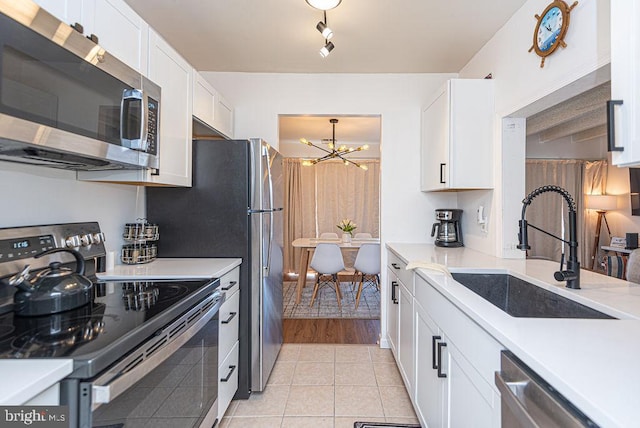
(231, 316)
(226, 379)
(440, 346)
(231, 285)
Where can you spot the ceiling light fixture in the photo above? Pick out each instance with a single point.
(324, 29)
(334, 153)
(327, 33)
(323, 4)
(326, 49)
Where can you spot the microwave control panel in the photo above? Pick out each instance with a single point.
(152, 126)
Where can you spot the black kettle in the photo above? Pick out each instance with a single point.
(52, 290)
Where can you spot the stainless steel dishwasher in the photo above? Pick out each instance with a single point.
(530, 402)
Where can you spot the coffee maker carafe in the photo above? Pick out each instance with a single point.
(448, 233)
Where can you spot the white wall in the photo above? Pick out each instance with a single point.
(37, 195)
(520, 83)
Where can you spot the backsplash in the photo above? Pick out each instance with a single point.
(37, 195)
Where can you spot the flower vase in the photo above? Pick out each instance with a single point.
(346, 238)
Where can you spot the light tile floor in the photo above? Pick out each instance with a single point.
(326, 386)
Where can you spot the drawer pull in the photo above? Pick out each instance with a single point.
(231, 316)
(231, 285)
(394, 287)
(395, 266)
(226, 379)
(434, 362)
(440, 346)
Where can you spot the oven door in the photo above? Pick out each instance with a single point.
(174, 375)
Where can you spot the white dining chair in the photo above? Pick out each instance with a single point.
(362, 235)
(633, 267)
(329, 235)
(327, 260)
(367, 265)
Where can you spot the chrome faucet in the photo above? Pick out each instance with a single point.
(572, 273)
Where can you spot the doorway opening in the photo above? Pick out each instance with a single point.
(321, 196)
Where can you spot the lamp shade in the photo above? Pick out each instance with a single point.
(602, 202)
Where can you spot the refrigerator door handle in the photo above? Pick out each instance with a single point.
(265, 153)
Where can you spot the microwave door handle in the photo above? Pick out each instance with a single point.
(131, 95)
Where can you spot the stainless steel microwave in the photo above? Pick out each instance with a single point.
(67, 103)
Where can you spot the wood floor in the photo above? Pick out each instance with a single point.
(331, 330)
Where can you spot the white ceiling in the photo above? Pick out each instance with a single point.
(371, 36)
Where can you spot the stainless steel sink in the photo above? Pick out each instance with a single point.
(522, 299)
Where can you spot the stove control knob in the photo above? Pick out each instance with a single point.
(72, 241)
(98, 237)
(86, 240)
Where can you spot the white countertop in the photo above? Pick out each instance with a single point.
(593, 363)
(24, 379)
(173, 269)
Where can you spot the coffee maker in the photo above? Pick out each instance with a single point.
(449, 233)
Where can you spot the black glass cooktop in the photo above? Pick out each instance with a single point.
(122, 315)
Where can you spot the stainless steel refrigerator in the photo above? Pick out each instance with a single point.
(234, 209)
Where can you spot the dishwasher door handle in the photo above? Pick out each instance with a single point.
(509, 397)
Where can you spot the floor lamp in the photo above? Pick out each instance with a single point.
(601, 204)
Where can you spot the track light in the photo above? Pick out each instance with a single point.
(326, 49)
(323, 4)
(327, 32)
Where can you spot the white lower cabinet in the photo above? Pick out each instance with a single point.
(405, 338)
(446, 360)
(455, 364)
(228, 341)
(393, 286)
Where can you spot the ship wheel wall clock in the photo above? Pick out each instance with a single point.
(551, 28)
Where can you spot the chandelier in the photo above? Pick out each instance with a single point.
(334, 151)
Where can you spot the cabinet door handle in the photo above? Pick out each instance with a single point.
(228, 320)
(226, 378)
(394, 298)
(434, 362)
(231, 285)
(440, 346)
(395, 266)
(611, 126)
(442, 181)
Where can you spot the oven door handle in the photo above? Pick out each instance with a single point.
(109, 386)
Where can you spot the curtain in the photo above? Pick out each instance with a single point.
(549, 210)
(595, 183)
(318, 197)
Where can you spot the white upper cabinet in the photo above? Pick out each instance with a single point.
(69, 11)
(457, 137)
(173, 73)
(205, 98)
(223, 120)
(210, 107)
(625, 91)
(119, 29)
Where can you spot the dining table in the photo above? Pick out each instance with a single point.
(308, 246)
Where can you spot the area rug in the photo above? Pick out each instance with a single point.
(382, 424)
(326, 304)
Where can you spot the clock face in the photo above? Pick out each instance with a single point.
(549, 29)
